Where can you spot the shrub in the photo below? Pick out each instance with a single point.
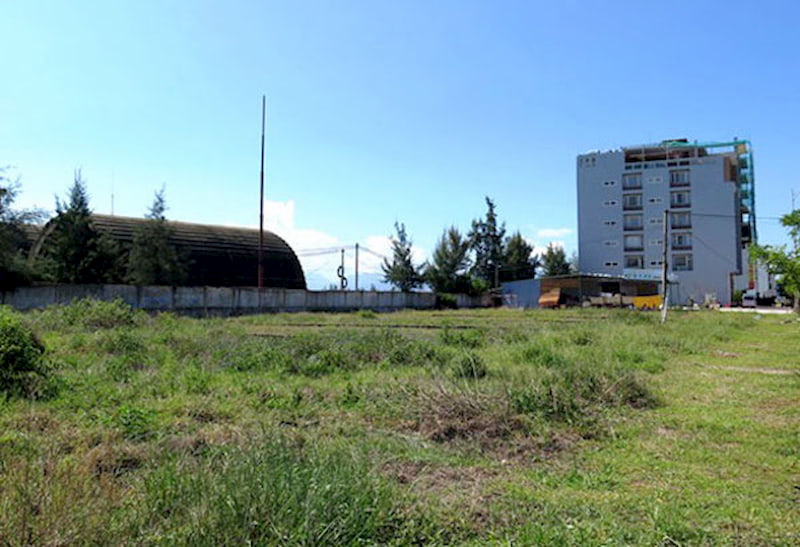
(446, 301)
(23, 371)
(89, 313)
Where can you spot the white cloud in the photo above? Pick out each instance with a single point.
(321, 268)
(542, 249)
(544, 233)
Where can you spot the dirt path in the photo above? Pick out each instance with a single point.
(758, 370)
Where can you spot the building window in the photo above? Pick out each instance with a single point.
(610, 203)
(681, 198)
(655, 242)
(609, 183)
(656, 220)
(631, 181)
(655, 263)
(610, 223)
(682, 240)
(611, 264)
(632, 222)
(680, 220)
(635, 262)
(611, 243)
(634, 242)
(631, 202)
(679, 177)
(655, 179)
(655, 200)
(681, 263)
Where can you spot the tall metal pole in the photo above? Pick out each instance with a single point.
(342, 279)
(664, 287)
(356, 266)
(261, 198)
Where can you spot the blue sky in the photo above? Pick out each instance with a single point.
(381, 111)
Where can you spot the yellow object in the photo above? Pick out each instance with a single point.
(647, 302)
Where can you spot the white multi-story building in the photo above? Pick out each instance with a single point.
(707, 190)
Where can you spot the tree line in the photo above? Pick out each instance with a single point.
(74, 251)
(471, 263)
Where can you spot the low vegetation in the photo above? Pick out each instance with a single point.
(583, 426)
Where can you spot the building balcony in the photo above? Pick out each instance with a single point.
(634, 249)
(680, 205)
(633, 228)
(632, 207)
(682, 247)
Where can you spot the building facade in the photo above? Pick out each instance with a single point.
(706, 193)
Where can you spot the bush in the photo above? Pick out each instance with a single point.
(90, 314)
(23, 371)
(446, 301)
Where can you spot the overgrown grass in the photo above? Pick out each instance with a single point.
(576, 426)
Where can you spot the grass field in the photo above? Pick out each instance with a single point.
(458, 427)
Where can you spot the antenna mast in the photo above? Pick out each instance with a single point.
(261, 198)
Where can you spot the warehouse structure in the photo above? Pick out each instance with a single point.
(708, 190)
(217, 256)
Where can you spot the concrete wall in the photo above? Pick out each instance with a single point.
(223, 301)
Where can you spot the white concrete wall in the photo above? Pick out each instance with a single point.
(216, 301)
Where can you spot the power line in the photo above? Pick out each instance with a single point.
(713, 250)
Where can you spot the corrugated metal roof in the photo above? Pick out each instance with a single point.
(217, 255)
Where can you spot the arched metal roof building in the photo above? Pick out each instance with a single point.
(219, 256)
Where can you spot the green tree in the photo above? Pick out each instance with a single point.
(401, 272)
(486, 239)
(75, 252)
(14, 268)
(554, 261)
(784, 261)
(448, 271)
(153, 259)
(519, 262)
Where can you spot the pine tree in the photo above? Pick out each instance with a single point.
(401, 272)
(75, 251)
(448, 272)
(554, 261)
(519, 261)
(14, 269)
(486, 239)
(153, 259)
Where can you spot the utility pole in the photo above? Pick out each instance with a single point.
(664, 281)
(261, 199)
(340, 273)
(356, 266)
